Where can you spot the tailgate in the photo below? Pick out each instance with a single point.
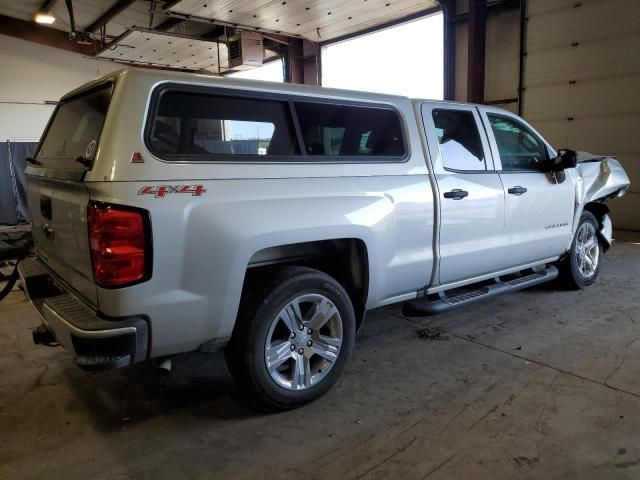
(56, 194)
(58, 210)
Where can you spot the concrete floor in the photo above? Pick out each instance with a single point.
(539, 384)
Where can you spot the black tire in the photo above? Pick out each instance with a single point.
(20, 248)
(7, 282)
(570, 274)
(263, 299)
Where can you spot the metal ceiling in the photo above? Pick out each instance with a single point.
(140, 46)
(316, 20)
(86, 12)
(153, 33)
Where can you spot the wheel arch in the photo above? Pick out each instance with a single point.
(598, 209)
(345, 259)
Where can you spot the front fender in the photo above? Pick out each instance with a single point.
(597, 181)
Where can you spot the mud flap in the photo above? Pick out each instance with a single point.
(606, 232)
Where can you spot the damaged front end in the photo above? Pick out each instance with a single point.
(599, 179)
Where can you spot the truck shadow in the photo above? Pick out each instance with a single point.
(199, 384)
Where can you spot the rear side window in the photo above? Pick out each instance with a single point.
(459, 140)
(200, 125)
(75, 128)
(210, 124)
(347, 130)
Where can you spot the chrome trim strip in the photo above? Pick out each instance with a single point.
(78, 332)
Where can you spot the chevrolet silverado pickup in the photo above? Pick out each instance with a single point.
(174, 212)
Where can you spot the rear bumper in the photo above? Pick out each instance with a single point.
(97, 342)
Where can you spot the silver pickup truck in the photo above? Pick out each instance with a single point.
(175, 212)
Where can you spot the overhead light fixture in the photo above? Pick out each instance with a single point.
(44, 17)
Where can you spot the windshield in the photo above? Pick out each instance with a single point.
(75, 129)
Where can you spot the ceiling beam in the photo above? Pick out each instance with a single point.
(216, 32)
(494, 7)
(44, 35)
(168, 23)
(107, 16)
(46, 6)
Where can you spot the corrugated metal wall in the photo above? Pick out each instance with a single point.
(582, 83)
(581, 78)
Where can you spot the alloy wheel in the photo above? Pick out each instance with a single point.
(303, 342)
(587, 251)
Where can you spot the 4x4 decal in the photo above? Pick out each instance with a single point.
(161, 191)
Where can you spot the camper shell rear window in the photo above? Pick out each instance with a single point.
(74, 129)
(212, 124)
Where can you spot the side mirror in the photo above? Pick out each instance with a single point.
(565, 159)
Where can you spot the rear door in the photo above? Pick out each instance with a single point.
(472, 205)
(56, 194)
(539, 206)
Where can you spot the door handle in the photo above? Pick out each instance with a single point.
(456, 194)
(517, 190)
(48, 231)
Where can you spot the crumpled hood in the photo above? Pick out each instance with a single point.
(583, 157)
(599, 178)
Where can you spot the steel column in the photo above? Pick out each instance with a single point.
(302, 62)
(449, 15)
(523, 53)
(476, 50)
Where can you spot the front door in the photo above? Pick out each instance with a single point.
(539, 206)
(472, 205)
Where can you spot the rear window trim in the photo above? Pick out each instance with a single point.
(290, 100)
(110, 83)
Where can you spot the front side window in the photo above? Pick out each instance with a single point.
(348, 130)
(459, 140)
(519, 148)
(202, 125)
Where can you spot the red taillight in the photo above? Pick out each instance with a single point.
(118, 240)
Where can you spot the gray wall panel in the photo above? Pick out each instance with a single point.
(582, 77)
(593, 22)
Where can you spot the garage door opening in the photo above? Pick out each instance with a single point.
(406, 59)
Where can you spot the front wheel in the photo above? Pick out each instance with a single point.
(581, 266)
(293, 337)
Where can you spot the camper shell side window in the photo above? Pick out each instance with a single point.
(211, 124)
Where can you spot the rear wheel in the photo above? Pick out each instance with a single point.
(8, 277)
(581, 266)
(293, 338)
(14, 247)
